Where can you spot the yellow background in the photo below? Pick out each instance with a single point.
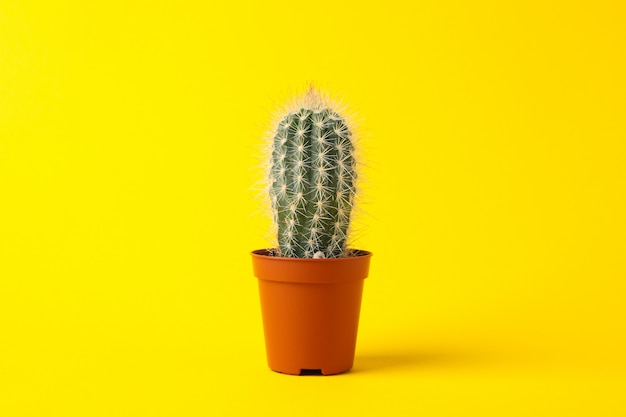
(494, 135)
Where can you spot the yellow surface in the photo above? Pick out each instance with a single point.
(495, 139)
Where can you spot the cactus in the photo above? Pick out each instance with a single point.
(312, 180)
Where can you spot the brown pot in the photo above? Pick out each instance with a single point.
(310, 311)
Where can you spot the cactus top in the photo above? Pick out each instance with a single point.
(312, 183)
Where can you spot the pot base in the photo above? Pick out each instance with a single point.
(312, 372)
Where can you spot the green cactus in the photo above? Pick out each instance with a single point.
(312, 181)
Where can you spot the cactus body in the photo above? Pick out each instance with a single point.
(312, 183)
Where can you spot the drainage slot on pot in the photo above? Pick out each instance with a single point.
(311, 372)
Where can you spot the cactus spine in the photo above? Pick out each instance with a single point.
(312, 181)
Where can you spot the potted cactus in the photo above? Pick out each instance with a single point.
(311, 281)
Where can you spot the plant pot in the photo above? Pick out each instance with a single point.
(310, 310)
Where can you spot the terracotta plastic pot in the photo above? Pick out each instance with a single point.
(310, 311)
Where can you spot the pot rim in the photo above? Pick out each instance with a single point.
(266, 253)
(308, 270)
